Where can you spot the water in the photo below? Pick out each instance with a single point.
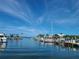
(28, 48)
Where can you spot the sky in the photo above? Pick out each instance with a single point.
(33, 17)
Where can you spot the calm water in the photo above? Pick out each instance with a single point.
(28, 48)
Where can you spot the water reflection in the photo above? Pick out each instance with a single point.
(30, 46)
(61, 47)
(3, 46)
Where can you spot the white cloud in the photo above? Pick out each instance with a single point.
(67, 21)
(15, 8)
(30, 31)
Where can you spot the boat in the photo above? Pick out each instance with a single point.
(3, 38)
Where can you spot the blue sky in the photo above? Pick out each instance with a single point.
(32, 17)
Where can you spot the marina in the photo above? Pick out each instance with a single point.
(39, 29)
(44, 48)
(60, 40)
(29, 47)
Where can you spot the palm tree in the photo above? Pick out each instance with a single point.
(47, 36)
(56, 36)
(40, 35)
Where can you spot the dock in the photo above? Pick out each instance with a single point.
(59, 40)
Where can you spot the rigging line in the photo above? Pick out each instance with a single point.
(50, 21)
(46, 9)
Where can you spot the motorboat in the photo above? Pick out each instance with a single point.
(3, 38)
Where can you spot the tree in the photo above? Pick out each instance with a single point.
(56, 36)
(40, 35)
(47, 35)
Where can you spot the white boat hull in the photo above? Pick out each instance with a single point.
(3, 39)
